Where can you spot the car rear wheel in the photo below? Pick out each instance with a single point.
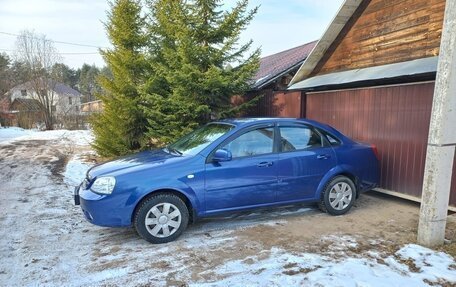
(161, 218)
(338, 196)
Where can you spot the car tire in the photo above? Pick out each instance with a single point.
(161, 218)
(338, 196)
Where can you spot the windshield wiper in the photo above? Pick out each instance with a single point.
(173, 150)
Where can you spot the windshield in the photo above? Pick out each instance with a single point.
(197, 140)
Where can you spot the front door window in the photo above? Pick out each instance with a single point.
(252, 143)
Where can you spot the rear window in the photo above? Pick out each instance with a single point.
(333, 140)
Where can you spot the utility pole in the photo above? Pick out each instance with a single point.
(442, 139)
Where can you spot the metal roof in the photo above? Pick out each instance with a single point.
(390, 71)
(276, 65)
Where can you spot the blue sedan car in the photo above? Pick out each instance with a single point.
(227, 166)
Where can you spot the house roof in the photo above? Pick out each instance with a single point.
(59, 88)
(276, 65)
(335, 27)
(26, 104)
(384, 72)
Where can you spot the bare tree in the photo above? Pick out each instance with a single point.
(39, 55)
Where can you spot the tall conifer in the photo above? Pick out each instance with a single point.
(171, 70)
(120, 128)
(192, 46)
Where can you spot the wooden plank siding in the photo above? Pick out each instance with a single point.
(382, 32)
(394, 118)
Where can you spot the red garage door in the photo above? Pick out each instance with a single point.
(395, 118)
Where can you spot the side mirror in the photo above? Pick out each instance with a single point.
(222, 155)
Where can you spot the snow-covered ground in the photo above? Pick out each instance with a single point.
(282, 268)
(46, 242)
(78, 137)
(13, 132)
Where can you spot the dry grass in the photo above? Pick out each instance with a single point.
(449, 249)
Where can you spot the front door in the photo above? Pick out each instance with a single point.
(249, 179)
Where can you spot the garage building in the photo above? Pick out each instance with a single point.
(372, 76)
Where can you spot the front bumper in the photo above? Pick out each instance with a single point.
(104, 210)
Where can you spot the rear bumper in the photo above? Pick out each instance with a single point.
(104, 210)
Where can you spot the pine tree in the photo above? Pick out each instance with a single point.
(87, 82)
(191, 47)
(120, 128)
(4, 74)
(65, 74)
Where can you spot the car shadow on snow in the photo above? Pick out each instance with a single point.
(214, 226)
(245, 219)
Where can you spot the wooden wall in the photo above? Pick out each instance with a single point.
(92, 107)
(384, 32)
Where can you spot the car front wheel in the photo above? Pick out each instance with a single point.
(161, 218)
(338, 196)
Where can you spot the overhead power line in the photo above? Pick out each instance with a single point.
(64, 53)
(59, 42)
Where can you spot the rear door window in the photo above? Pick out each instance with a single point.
(299, 138)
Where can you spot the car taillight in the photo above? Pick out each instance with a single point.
(375, 150)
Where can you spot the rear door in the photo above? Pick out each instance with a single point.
(304, 158)
(250, 178)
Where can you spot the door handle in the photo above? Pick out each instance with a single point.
(323, 156)
(264, 164)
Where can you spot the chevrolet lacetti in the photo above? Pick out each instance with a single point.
(226, 166)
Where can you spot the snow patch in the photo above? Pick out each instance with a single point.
(340, 243)
(75, 171)
(282, 268)
(74, 137)
(7, 134)
(262, 78)
(433, 265)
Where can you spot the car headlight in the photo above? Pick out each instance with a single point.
(104, 185)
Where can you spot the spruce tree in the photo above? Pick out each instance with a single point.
(191, 46)
(119, 129)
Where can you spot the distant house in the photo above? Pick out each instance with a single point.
(272, 79)
(20, 105)
(65, 99)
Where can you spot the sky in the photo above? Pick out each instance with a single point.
(278, 26)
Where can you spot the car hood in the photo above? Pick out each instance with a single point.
(148, 158)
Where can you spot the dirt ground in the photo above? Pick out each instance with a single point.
(46, 241)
